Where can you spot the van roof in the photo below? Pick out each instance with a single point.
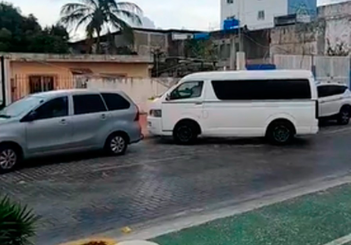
(250, 74)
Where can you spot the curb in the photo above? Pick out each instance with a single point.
(190, 218)
(108, 241)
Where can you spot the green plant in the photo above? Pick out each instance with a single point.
(17, 223)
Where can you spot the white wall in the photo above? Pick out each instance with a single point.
(140, 90)
(249, 9)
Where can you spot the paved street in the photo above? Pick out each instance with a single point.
(78, 195)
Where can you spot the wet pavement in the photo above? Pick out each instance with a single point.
(78, 195)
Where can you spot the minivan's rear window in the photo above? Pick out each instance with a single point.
(262, 89)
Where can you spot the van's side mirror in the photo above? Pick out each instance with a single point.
(168, 97)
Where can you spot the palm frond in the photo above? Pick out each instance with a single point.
(71, 20)
(132, 7)
(71, 7)
(129, 15)
(90, 3)
(17, 223)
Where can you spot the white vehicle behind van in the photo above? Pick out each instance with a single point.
(275, 104)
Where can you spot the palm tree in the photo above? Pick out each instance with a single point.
(101, 15)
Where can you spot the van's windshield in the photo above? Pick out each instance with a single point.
(21, 106)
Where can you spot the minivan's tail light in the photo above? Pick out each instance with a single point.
(137, 116)
(155, 113)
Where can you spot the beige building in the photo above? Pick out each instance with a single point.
(30, 73)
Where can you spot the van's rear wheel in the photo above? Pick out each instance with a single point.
(280, 133)
(185, 133)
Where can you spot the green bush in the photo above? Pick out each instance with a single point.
(16, 223)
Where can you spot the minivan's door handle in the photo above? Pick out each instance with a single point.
(198, 103)
(103, 116)
(63, 121)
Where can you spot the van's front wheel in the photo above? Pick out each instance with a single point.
(185, 133)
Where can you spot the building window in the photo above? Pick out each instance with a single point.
(230, 1)
(260, 15)
(41, 83)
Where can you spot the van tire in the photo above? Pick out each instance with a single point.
(116, 144)
(344, 115)
(12, 154)
(186, 132)
(280, 132)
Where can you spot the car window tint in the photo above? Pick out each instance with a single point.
(187, 90)
(57, 107)
(324, 91)
(115, 101)
(262, 89)
(88, 103)
(341, 89)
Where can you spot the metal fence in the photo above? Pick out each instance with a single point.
(22, 84)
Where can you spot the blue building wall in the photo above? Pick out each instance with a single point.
(302, 6)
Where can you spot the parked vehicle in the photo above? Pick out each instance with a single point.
(334, 102)
(66, 121)
(277, 104)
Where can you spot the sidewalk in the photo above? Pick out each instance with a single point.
(318, 218)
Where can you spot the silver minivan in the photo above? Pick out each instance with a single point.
(65, 121)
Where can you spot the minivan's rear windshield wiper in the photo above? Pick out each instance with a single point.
(4, 116)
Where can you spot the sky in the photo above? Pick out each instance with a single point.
(187, 14)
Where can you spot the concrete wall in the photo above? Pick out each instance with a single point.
(332, 28)
(294, 39)
(338, 24)
(247, 12)
(326, 69)
(146, 42)
(140, 90)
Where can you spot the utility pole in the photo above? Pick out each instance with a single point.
(239, 30)
(240, 56)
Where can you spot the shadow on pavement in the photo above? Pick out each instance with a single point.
(236, 141)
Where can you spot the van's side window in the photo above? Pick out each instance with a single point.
(187, 90)
(262, 89)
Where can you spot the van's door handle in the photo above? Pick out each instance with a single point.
(198, 103)
(63, 121)
(103, 116)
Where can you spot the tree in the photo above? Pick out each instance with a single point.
(24, 34)
(101, 15)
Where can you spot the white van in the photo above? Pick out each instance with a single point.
(277, 104)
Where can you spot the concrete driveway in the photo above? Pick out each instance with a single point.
(81, 195)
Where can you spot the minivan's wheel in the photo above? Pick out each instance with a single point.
(280, 133)
(344, 116)
(9, 158)
(116, 144)
(185, 133)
